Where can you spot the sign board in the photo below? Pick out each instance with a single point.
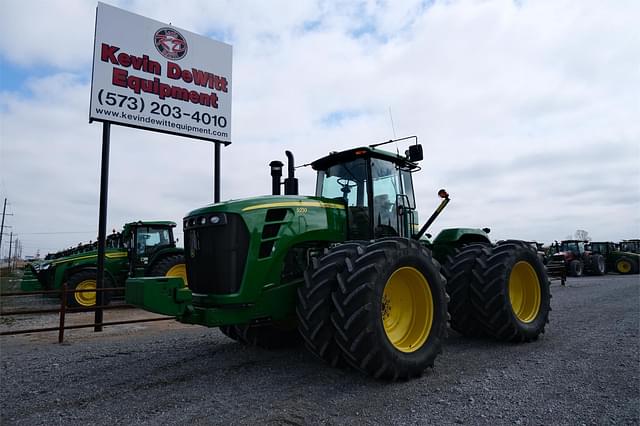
(158, 77)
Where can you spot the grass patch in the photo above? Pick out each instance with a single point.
(10, 282)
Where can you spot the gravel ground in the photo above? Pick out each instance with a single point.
(584, 370)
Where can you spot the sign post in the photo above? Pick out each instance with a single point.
(154, 76)
(102, 222)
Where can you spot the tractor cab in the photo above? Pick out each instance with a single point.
(375, 186)
(630, 246)
(145, 240)
(603, 248)
(573, 246)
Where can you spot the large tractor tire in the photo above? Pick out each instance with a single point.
(626, 265)
(598, 264)
(391, 309)
(170, 266)
(510, 293)
(314, 307)
(575, 268)
(268, 336)
(458, 272)
(86, 280)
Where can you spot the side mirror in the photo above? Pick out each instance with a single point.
(414, 153)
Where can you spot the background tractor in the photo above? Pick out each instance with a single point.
(141, 249)
(349, 270)
(630, 246)
(619, 258)
(577, 260)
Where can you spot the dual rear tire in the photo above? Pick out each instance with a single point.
(500, 291)
(381, 307)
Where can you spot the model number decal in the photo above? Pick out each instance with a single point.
(301, 210)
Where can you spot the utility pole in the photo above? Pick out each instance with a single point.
(17, 253)
(10, 242)
(4, 209)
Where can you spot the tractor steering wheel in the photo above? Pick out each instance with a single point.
(346, 187)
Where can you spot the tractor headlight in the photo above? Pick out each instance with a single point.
(46, 266)
(218, 219)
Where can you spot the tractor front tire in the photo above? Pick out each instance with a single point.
(458, 272)
(598, 265)
(86, 280)
(314, 307)
(511, 294)
(575, 268)
(170, 266)
(391, 309)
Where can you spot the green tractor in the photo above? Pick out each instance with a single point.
(349, 270)
(619, 258)
(630, 246)
(141, 249)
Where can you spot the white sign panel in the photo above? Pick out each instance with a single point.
(158, 77)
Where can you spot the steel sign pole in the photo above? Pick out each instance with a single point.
(102, 224)
(216, 174)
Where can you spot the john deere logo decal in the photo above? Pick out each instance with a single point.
(170, 43)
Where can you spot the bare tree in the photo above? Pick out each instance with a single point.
(582, 235)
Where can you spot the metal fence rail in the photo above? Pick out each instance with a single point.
(63, 310)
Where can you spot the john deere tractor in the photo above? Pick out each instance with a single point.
(619, 258)
(349, 270)
(141, 249)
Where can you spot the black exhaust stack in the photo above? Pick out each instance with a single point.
(276, 174)
(290, 183)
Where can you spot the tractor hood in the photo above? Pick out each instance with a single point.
(251, 239)
(298, 203)
(566, 255)
(268, 218)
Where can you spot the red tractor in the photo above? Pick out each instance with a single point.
(576, 259)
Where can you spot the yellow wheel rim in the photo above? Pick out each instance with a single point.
(524, 291)
(407, 309)
(178, 270)
(623, 266)
(86, 298)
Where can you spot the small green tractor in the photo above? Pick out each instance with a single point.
(349, 270)
(619, 258)
(142, 249)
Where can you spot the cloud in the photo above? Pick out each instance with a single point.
(527, 111)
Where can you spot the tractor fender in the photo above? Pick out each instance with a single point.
(459, 236)
(449, 240)
(161, 255)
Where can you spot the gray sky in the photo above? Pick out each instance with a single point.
(528, 111)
